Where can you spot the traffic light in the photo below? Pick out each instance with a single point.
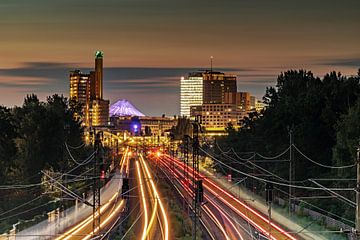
(102, 175)
(199, 192)
(102, 172)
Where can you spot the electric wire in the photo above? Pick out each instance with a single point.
(322, 165)
(270, 181)
(22, 205)
(28, 210)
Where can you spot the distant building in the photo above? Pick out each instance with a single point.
(191, 92)
(100, 112)
(217, 116)
(99, 75)
(87, 89)
(241, 99)
(216, 85)
(204, 87)
(80, 86)
(252, 103)
(143, 125)
(213, 96)
(259, 106)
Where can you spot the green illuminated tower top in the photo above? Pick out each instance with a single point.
(99, 54)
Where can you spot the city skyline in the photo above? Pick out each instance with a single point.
(149, 46)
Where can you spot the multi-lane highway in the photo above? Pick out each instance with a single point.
(217, 223)
(222, 215)
(155, 222)
(109, 211)
(232, 218)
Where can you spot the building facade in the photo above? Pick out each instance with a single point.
(87, 89)
(80, 86)
(143, 125)
(206, 87)
(217, 116)
(241, 99)
(216, 85)
(100, 112)
(191, 93)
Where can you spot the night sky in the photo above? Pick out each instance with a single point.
(150, 44)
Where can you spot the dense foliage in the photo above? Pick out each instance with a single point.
(32, 139)
(323, 116)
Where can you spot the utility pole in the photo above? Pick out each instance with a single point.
(290, 170)
(269, 198)
(358, 191)
(96, 181)
(197, 182)
(186, 162)
(172, 149)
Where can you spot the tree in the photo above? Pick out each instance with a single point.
(347, 141)
(7, 144)
(324, 116)
(183, 127)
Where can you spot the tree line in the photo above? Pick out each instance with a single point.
(32, 139)
(323, 115)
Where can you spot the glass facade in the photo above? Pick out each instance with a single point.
(191, 94)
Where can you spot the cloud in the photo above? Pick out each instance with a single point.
(154, 89)
(342, 62)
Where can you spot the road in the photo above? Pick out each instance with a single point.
(109, 211)
(155, 222)
(232, 217)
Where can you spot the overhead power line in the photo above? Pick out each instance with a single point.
(270, 181)
(323, 165)
(86, 161)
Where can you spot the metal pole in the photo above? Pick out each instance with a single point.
(96, 183)
(269, 198)
(269, 211)
(358, 191)
(196, 179)
(290, 172)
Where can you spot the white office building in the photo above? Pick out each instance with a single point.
(191, 93)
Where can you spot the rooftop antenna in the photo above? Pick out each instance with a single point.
(211, 63)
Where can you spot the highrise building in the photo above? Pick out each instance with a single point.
(191, 92)
(241, 99)
(80, 86)
(100, 112)
(215, 117)
(87, 89)
(216, 85)
(206, 87)
(252, 102)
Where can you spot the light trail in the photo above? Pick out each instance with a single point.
(208, 210)
(216, 221)
(154, 210)
(104, 222)
(77, 228)
(259, 216)
(125, 160)
(227, 218)
(143, 237)
(229, 204)
(157, 197)
(250, 209)
(86, 222)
